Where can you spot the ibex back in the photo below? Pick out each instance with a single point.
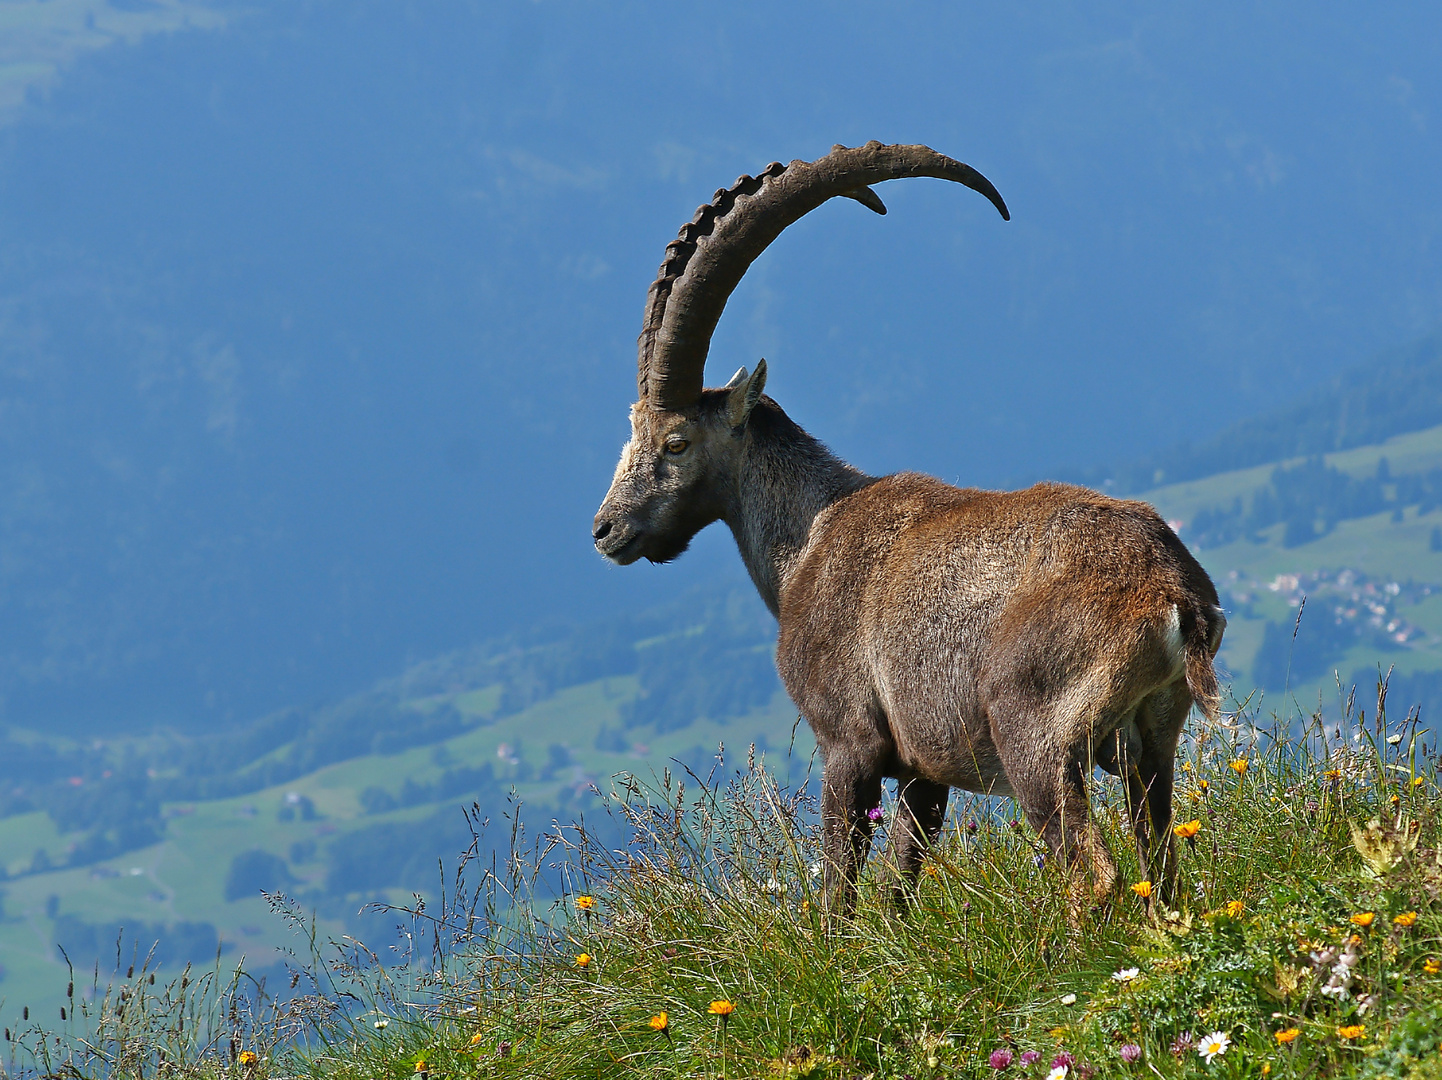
(1002, 642)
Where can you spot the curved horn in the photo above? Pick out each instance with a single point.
(708, 258)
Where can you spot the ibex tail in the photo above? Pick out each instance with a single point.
(1203, 636)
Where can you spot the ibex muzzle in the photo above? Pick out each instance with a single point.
(1002, 642)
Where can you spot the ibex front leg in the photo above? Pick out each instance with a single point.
(850, 788)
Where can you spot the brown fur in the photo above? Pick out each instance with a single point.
(1002, 642)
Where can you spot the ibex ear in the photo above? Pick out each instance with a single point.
(743, 392)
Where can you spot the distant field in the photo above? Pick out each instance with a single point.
(1413, 452)
(183, 877)
(1378, 546)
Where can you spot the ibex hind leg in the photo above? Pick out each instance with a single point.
(849, 788)
(1164, 714)
(1120, 754)
(1050, 784)
(921, 809)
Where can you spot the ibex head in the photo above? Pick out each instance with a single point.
(671, 481)
(680, 465)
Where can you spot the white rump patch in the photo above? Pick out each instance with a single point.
(1175, 646)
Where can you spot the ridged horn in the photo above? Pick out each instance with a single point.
(708, 258)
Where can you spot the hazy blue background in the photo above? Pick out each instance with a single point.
(317, 326)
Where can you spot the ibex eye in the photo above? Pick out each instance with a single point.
(676, 446)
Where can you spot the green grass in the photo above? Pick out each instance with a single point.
(716, 899)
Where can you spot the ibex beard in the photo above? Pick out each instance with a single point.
(1000, 642)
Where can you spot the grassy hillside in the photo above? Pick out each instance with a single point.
(1306, 940)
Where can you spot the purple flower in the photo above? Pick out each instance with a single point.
(1000, 1058)
(1063, 1059)
(1031, 1057)
(1182, 1043)
(1039, 860)
(971, 825)
(1131, 1052)
(874, 813)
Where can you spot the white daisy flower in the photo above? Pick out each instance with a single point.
(1126, 975)
(1213, 1045)
(1059, 1073)
(1069, 999)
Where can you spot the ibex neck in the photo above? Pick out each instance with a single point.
(785, 479)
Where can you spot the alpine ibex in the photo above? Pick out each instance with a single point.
(1001, 642)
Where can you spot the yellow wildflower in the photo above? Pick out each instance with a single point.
(422, 1067)
(1288, 1035)
(1239, 766)
(585, 903)
(247, 1057)
(1143, 889)
(1266, 1068)
(1352, 1031)
(1431, 965)
(1404, 920)
(660, 1022)
(721, 1008)
(476, 1039)
(1203, 785)
(1187, 829)
(1234, 908)
(1418, 781)
(1332, 774)
(1186, 766)
(584, 960)
(1363, 918)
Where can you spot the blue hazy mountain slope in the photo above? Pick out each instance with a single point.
(316, 330)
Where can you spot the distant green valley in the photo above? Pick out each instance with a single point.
(1357, 534)
(174, 838)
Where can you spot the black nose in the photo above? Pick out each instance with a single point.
(600, 529)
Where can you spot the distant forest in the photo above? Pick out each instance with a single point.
(1393, 393)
